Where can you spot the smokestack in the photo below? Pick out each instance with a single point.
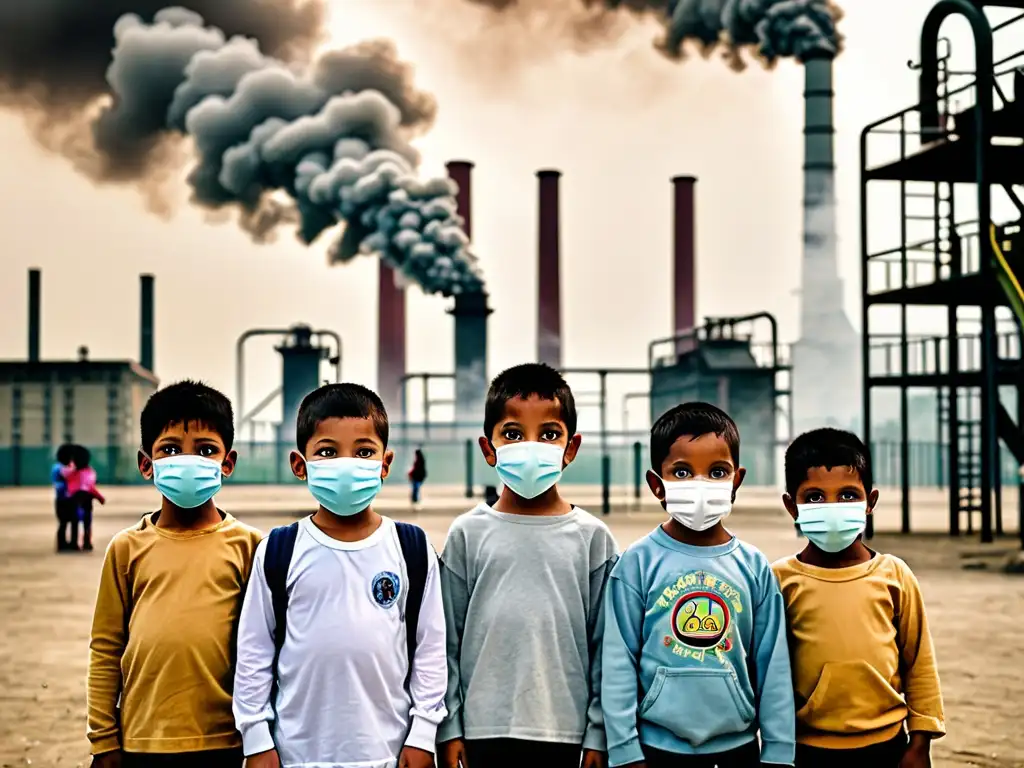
(822, 353)
(34, 313)
(390, 338)
(461, 172)
(549, 295)
(146, 322)
(470, 313)
(684, 288)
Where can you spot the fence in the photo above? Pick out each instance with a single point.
(459, 462)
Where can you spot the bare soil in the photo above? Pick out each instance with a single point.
(46, 603)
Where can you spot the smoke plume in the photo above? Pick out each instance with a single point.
(768, 29)
(316, 144)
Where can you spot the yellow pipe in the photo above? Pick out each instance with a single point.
(1007, 273)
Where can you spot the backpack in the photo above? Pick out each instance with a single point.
(278, 557)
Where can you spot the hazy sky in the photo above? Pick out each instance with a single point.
(619, 124)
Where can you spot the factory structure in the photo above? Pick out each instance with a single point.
(95, 403)
(738, 363)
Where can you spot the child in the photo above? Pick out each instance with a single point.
(863, 663)
(170, 594)
(62, 504)
(695, 657)
(82, 491)
(341, 645)
(523, 582)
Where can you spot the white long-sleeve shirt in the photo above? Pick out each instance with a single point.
(342, 700)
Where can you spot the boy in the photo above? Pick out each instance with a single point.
(695, 657)
(169, 596)
(341, 646)
(863, 663)
(523, 583)
(61, 502)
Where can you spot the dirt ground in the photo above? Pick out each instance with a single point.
(47, 601)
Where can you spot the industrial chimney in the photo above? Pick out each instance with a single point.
(470, 314)
(146, 352)
(34, 313)
(826, 359)
(390, 338)
(684, 287)
(549, 298)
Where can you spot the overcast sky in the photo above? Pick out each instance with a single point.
(619, 124)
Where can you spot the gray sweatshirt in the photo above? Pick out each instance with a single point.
(522, 601)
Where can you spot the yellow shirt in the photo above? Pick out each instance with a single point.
(862, 655)
(163, 638)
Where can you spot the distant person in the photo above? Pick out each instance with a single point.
(63, 506)
(162, 648)
(341, 645)
(417, 475)
(523, 582)
(863, 661)
(695, 661)
(82, 491)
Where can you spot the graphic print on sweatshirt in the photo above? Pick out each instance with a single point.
(701, 610)
(386, 588)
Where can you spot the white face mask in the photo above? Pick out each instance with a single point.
(698, 504)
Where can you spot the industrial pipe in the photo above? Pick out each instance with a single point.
(717, 322)
(34, 313)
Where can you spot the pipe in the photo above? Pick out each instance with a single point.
(34, 313)
(683, 262)
(717, 322)
(461, 172)
(335, 361)
(549, 295)
(240, 364)
(146, 314)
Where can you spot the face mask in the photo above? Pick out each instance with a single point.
(187, 481)
(344, 486)
(529, 468)
(832, 527)
(698, 504)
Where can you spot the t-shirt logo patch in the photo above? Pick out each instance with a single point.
(385, 588)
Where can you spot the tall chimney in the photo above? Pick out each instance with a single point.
(390, 339)
(823, 352)
(684, 288)
(470, 313)
(461, 172)
(146, 353)
(34, 313)
(549, 296)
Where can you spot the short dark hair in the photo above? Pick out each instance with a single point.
(693, 419)
(525, 381)
(340, 401)
(65, 453)
(81, 456)
(183, 402)
(826, 447)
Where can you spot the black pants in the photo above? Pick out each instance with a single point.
(67, 524)
(747, 756)
(83, 506)
(221, 758)
(885, 755)
(515, 753)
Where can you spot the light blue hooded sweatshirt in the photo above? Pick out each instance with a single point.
(695, 658)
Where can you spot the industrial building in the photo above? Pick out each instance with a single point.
(97, 403)
(953, 260)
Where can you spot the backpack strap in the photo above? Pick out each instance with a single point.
(414, 551)
(276, 560)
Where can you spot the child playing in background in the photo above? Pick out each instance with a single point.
(523, 583)
(863, 662)
(81, 491)
(62, 504)
(160, 661)
(695, 657)
(341, 645)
